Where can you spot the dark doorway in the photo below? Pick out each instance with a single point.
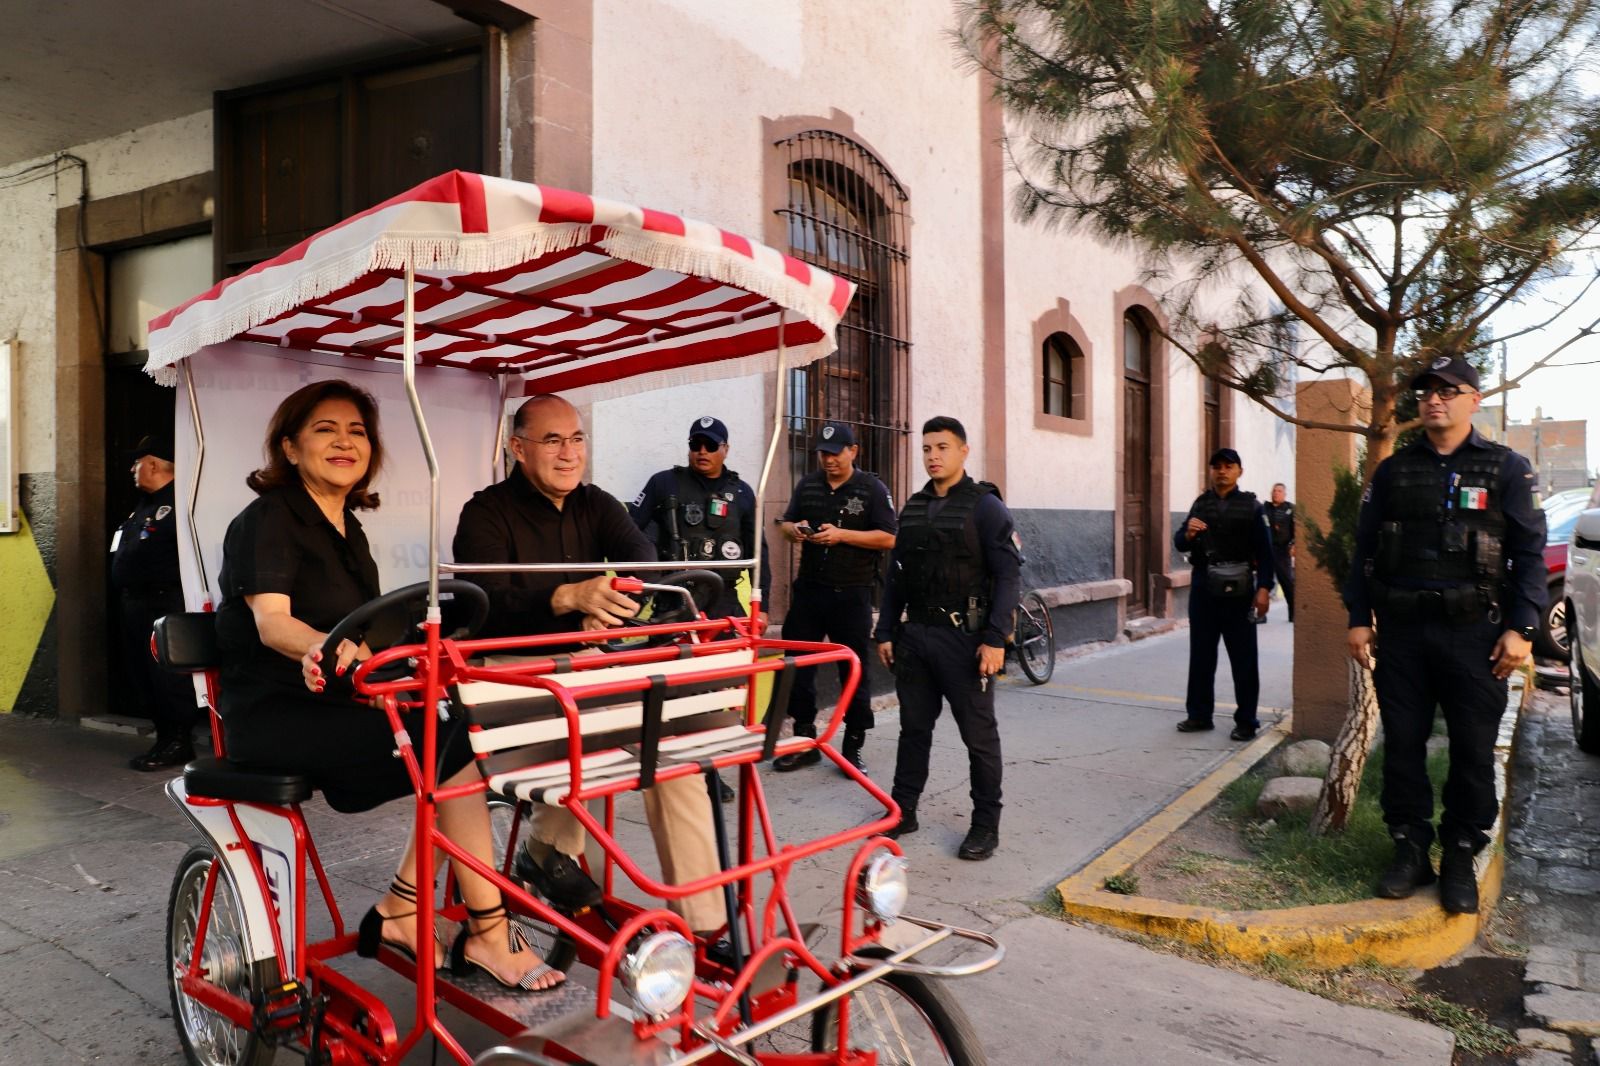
(1136, 494)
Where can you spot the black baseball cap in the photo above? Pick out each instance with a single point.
(834, 437)
(1450, 369)
(156, 444)
(710, 428)
(1225, 455)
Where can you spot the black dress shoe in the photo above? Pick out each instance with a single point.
(1243, 732)
(1195, 725)
(852, 750)
(1409, 870)
(980, 843)
(797, 760)
(558, 879)
(906, 824)
(1458, 878)
(167, 753)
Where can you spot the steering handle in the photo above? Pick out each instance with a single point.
(353, 625)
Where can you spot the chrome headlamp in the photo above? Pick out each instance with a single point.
(659, 973)
(883, 887)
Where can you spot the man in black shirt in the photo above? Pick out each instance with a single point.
(1449, 557)
(703, 511)
(844, 521)
(955, 574)
(1225, 534)
(1280, 521)
(544, 513)
(144, 569)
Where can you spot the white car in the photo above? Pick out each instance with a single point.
(1583, 627)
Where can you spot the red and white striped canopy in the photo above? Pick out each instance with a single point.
(569, 293)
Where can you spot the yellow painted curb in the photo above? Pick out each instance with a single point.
(1411, 932)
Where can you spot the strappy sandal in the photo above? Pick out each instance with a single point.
(369, 934)
(460, 962)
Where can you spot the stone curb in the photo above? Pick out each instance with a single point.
(1413, 932)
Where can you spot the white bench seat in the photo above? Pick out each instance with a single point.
(519, 733)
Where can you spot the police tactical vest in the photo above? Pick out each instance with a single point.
(709, 518)
(1280, 517)
(941, 561)
(848, 508)
(1230, 531)
(1443, 523)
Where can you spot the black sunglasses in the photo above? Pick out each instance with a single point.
(701, 444)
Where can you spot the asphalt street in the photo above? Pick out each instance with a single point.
(88, 849)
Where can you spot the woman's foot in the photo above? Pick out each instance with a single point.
(400, 927)
(492, 943)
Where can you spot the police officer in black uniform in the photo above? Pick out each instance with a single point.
(1225, 534)
(1449, 558)
(144, 570)
(844, 521)
(1280, 521)
(703, 511)
(954, 573)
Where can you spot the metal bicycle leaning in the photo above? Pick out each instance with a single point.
(474, 291)
(1034, 640)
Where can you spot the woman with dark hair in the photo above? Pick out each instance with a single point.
(295, 562)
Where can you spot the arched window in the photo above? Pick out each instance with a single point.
(1062, 361)
(847, 214)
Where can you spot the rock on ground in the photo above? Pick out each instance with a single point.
(1307, 758)
(1284, 794)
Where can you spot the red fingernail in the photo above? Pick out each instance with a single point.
(339, 671)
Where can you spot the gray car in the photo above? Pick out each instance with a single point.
(1583, 627)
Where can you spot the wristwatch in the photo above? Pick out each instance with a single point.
(1525, 632)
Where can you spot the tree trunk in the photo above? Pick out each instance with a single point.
(1380, 431)
(1349, 756)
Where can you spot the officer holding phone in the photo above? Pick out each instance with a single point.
(844, 521)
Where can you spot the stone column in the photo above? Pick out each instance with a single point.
(1321, 676)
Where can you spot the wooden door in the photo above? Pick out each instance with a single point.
(1136, 495)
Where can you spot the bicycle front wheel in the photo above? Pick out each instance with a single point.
(1036, 639)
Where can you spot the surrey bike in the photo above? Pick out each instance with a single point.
(453, 301)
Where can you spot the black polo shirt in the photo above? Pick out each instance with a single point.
(511, 522)
(146, 546)
(283, 543)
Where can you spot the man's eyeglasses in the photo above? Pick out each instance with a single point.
(1444, 392)
(701, 444)
(552, 442)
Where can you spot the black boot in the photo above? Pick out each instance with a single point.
(1409, 870)
(980, 843)
(1458, 877)
(167, 753)
(797, 760)
(852, 749)
(906, 824)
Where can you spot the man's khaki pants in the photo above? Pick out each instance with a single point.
(679, 812)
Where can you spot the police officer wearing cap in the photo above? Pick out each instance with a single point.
(955, 575)
(844, 521)
(1225, 534)
(144, 570)
(703, 511)
(1449, 563)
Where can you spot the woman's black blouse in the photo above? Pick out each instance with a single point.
(282, 543)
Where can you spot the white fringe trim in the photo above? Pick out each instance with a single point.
(201, 325)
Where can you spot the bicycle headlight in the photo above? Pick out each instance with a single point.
(884, 888)
(659, 973)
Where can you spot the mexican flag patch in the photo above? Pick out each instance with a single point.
(1474, 500)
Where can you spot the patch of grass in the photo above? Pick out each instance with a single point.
(1474, 1033)
(1295, 868)
(1124, 884)
(1188, 862)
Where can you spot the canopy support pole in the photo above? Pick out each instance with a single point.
(409, 354)
(779, 417)
(194, 481)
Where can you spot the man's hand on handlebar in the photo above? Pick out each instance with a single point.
(311, 662)
(596, 600)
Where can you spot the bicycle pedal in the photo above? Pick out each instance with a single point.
(285, 1008)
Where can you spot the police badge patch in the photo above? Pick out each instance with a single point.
(854, 505)
(827, 432)
(1440, 363)
(730, 549)
(162, 512)
(693, 514)
(705, 422)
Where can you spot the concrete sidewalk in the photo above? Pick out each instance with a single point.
(87, 851)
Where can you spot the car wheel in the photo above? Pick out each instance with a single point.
(1585, 697)
(1552, 637)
